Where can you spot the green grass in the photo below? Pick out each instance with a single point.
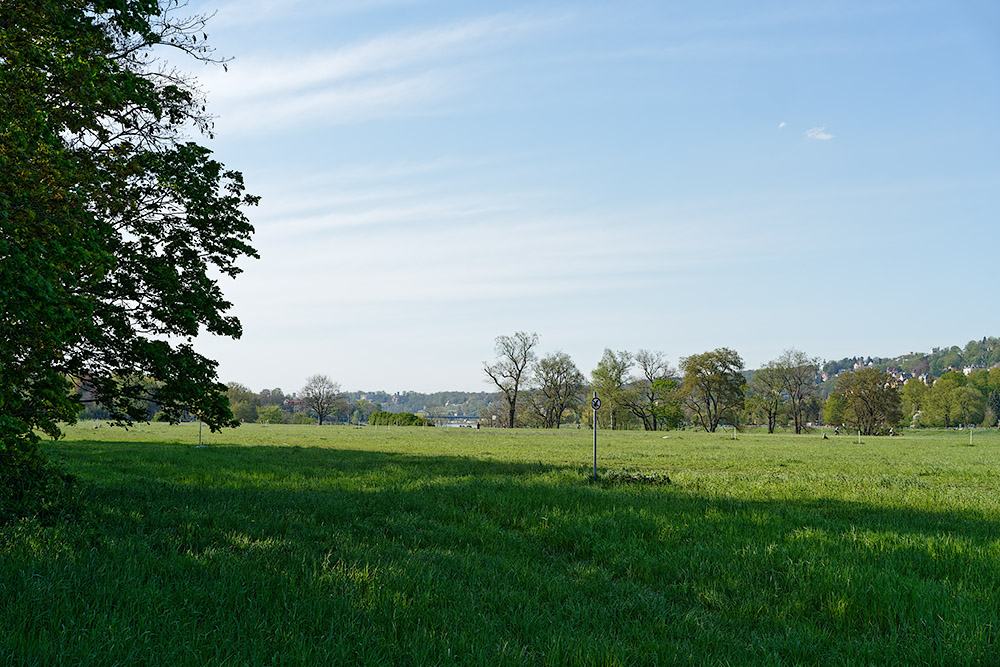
(307, 545)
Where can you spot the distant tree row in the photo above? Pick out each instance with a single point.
(711, 389)
(447, 404)
(637, 390)
(319, 401)
(641, 390)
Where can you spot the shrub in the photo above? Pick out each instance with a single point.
(30, 486)
(382, 418)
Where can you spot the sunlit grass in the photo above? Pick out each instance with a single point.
(308, 545)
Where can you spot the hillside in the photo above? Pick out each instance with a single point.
(976, 354)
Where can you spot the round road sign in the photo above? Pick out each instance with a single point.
(596, 403)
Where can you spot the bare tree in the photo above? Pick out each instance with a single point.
(514, 355)
(321, 395)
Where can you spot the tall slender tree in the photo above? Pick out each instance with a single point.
(609, 380)
(766, 397)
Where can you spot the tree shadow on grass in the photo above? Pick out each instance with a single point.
(269, 470)
(471, 550)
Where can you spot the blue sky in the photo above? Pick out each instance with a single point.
(675, 176)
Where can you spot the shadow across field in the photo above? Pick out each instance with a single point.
(278, 476)
(418, 556)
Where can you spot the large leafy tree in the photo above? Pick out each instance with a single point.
(942, 408)
(114, 227)
(870, 400)
(558, 387)
(714, 387)
(242, 402)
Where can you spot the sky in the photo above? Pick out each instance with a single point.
(674, 176)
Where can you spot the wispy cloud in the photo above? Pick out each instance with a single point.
(819, 133)
(251, 12)
(400, 72)
(782, 124)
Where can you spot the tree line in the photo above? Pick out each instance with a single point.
(641, 390)
(713, 388)
(319, 401)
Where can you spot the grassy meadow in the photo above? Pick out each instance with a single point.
(275, 545)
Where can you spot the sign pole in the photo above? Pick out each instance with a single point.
(596, 404)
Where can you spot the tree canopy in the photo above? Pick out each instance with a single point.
(713, 386)
(558, 387)
(651, 395)
(868, 401)
(114, 228)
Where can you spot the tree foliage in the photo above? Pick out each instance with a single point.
(557, 387)
(870, 400)
(243, 401)
(798, 375)
(652, 394)
(713, 388)
(270, 414)
(765, 399)
(609, 380)
(114, 228)
(383, 418)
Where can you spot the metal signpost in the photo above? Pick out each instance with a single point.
(596, 404)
